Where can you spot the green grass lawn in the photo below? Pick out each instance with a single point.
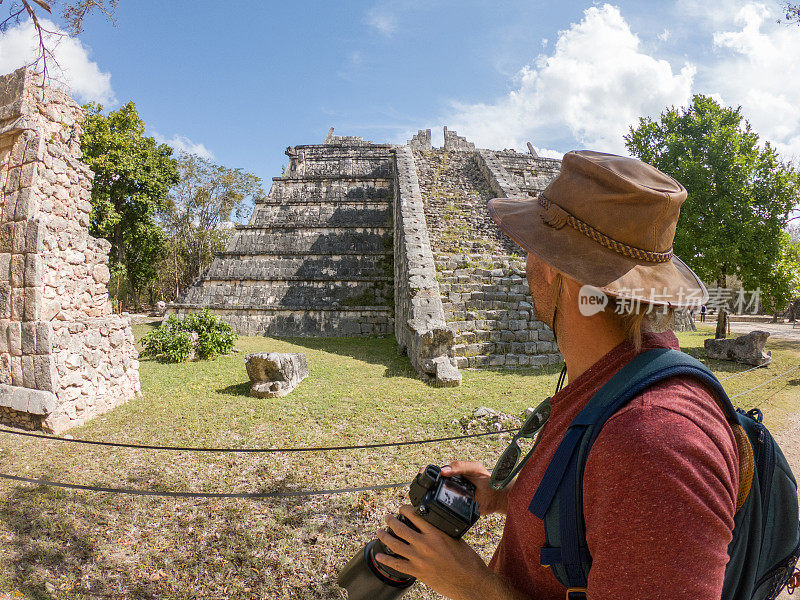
(59, 544)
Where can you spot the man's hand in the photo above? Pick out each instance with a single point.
(448, 566)
(489, 500)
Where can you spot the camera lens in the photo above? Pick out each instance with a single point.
(366, 579)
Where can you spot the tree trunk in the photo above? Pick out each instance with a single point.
(794, 311)
(119, 247)
(722, 324)
(175, 262)
(722, 280)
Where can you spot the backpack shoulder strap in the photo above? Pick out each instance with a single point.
(558, 500)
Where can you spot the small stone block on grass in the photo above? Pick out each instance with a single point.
(274, 374)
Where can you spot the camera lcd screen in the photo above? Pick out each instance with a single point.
(455, 497)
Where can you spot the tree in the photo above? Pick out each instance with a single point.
(740, 194)
(73, 14)
(199, 213)
(791, 12)
(133, 175)
(783, 282)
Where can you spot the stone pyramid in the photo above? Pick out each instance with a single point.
(316, 257)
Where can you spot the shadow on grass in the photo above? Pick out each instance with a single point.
(52, 548)
(782, 344)
(522, 370)
(237, 389)
(75, 545)
(376, 351)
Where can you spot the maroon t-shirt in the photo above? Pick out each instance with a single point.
(659, 490)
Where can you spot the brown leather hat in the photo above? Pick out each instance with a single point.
(607, 221)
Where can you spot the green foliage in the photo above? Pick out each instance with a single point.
(791, 12)
(132, 177)
(168, 343)
(198, 217)
(172, 341)
(783, 283)
(740, 194)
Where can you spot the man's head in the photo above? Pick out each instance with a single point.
(606, 222)
(550, 289)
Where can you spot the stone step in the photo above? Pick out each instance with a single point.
(329, 240)
(509, 360)
(315, 227)
(338, 167)
(288, 308)
(520, 348)
(333, 200)
(329, 190)
(381, 175)
(323, 215)
(261, 278)
(300, 321)
(291, 293)
(521, 336)
(296, 253)
(311, 266)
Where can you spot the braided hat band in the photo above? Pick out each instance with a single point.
(557, 217)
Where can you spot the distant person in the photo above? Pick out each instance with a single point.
(661, 481)
(703, 313)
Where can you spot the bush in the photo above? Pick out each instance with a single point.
(200, 335)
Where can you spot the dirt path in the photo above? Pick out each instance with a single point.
(789, 440)
(789, 437)
(783, 331)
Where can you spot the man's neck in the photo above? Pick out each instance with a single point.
(585, 340)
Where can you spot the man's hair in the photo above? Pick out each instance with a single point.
(634, 317)
(639, 317)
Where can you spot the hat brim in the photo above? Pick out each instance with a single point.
(587, 262)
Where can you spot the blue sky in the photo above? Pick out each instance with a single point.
(241, 81)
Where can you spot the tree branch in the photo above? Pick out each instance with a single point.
(48, 39)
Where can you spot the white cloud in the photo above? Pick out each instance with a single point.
(665, 35)
(74, 72)
(756, 68)
(181, 143)
(379, 18)
(547, 153)
(594, 85)
(717, 13)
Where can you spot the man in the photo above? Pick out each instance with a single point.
(660, 485)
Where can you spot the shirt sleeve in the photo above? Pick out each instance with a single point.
(659, 498)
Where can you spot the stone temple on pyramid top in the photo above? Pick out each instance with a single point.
(365, 239)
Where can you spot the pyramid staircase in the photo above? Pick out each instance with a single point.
(481, 272)
(316, 257)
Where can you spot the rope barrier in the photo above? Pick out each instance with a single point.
(742, 372)
(766, 382)
(260, 495)
(313, 448)
(252, 450)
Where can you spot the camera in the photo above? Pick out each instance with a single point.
(447, 503)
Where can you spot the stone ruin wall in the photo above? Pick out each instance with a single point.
(420, 323)
(64, 357)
